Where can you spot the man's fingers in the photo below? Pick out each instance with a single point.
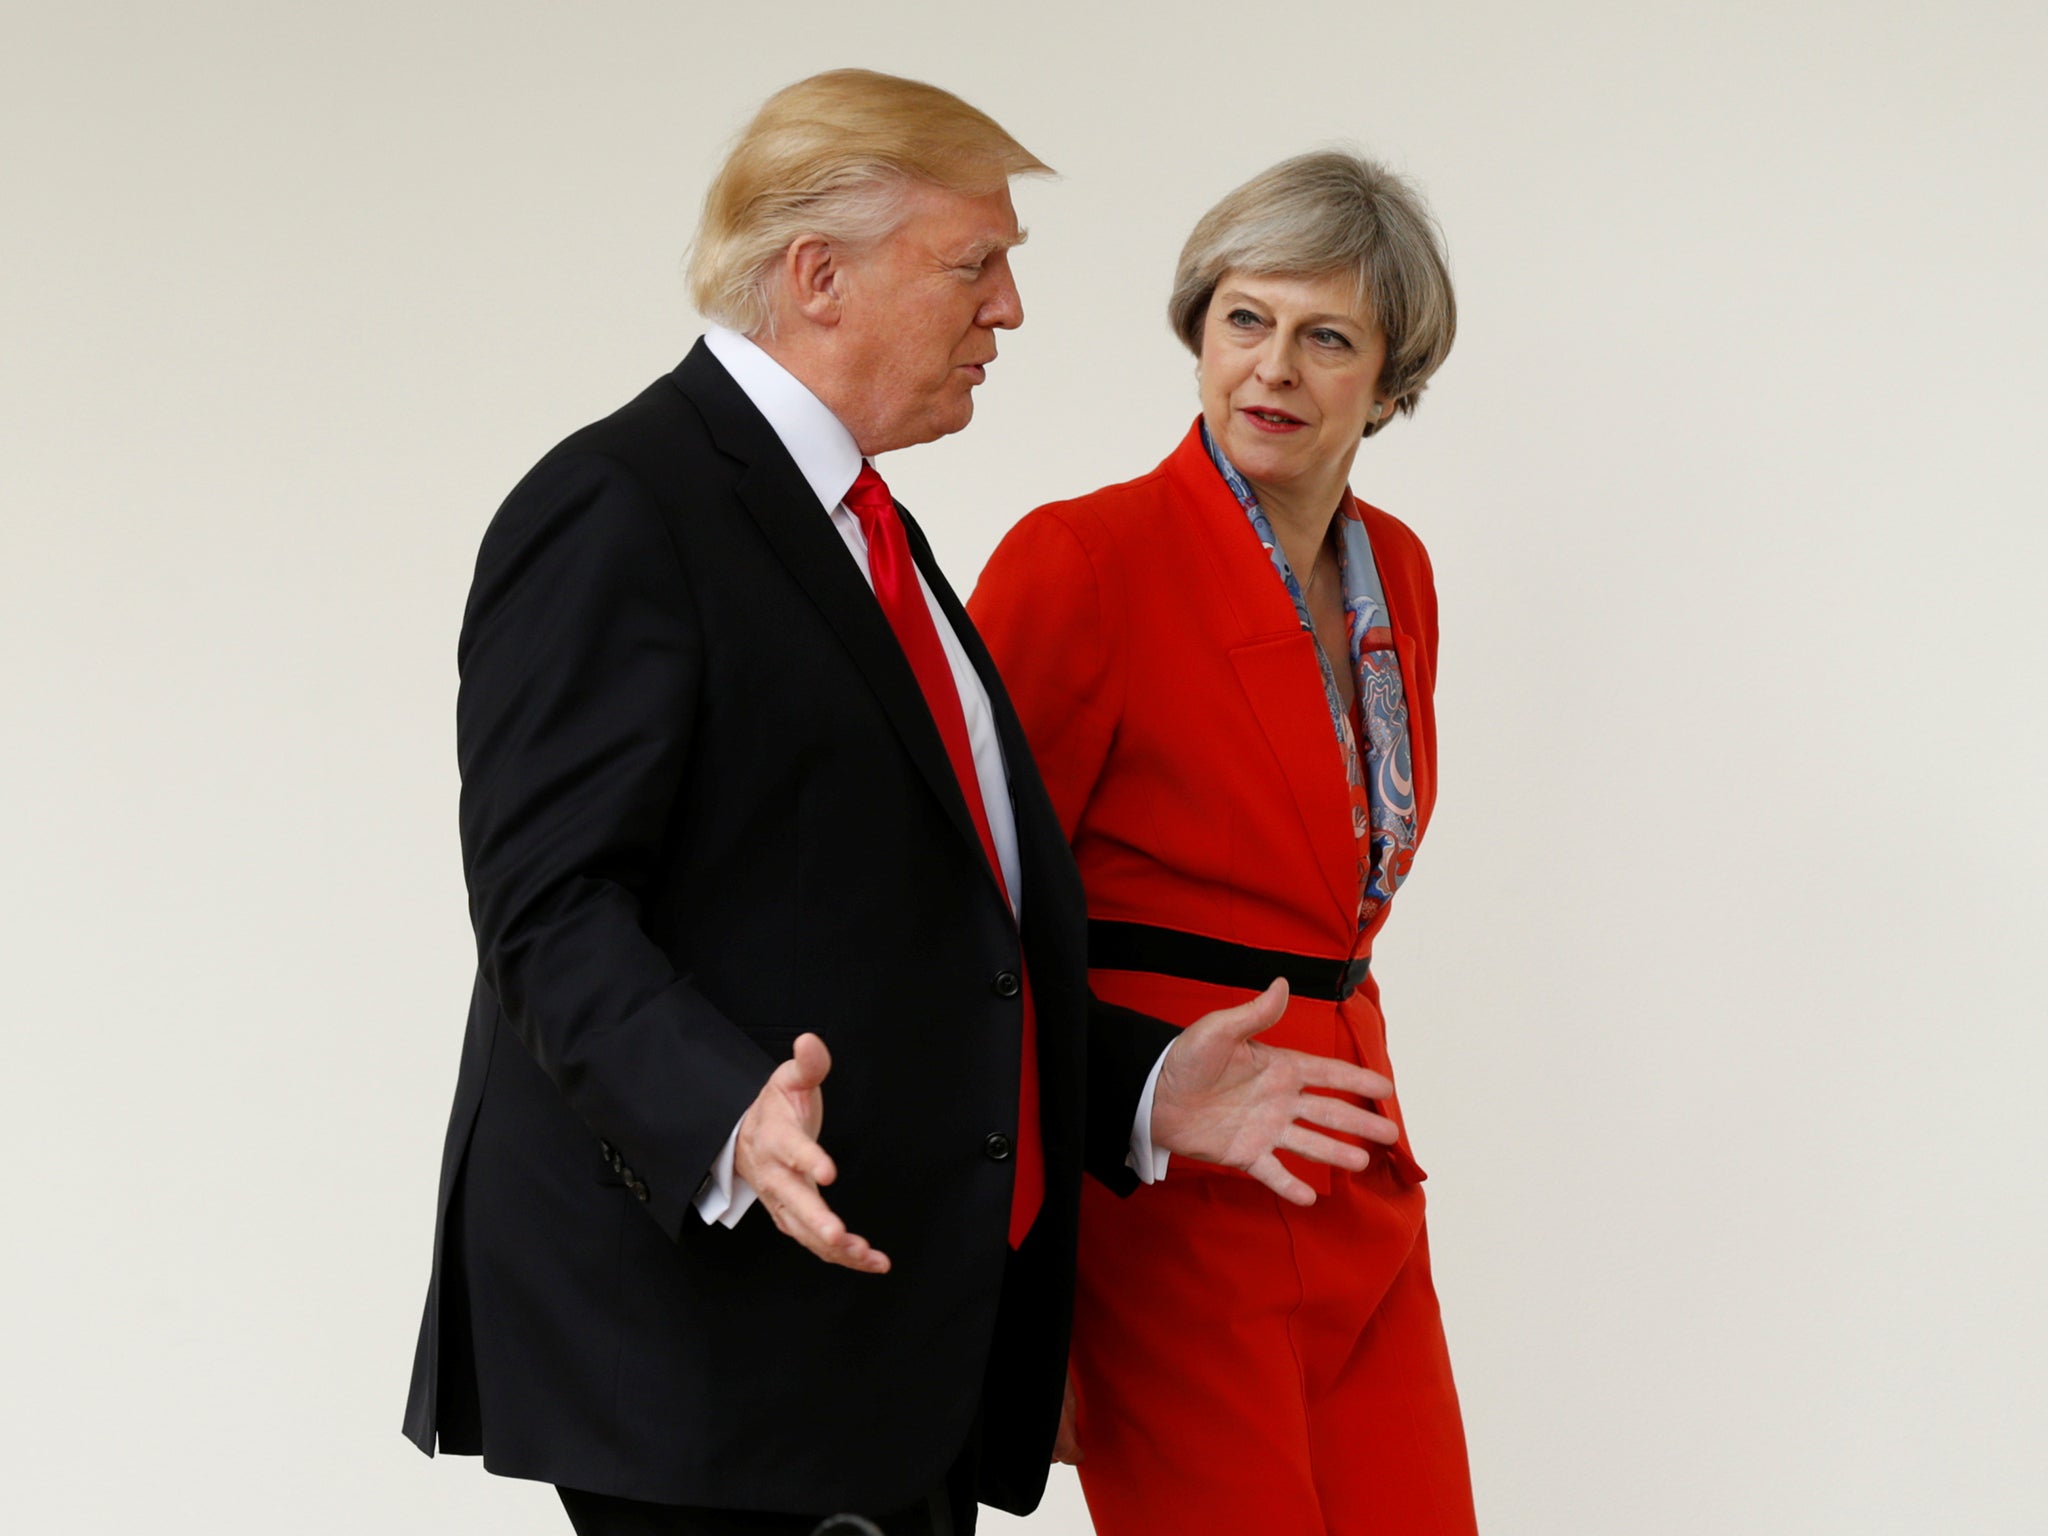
(1318, 1148)
(793, 1198)
(818, 1220)
(792, 1148)
(808, 1064)
(1351, 1119)
(855, 1252)
(801, 1213)
(778, 1154)
(800, 1210)
(771, 1137)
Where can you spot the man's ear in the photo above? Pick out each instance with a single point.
(814, 278)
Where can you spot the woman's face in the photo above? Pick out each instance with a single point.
(1290, 370)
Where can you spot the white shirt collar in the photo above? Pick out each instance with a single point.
(824, 450)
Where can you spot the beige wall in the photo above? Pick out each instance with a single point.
(1717, 994)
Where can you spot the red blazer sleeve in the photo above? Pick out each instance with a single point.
(1050, 611)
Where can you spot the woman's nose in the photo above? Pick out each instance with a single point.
(1275, 363)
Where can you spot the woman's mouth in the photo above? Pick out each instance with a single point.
(1266, 419)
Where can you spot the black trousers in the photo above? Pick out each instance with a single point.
(949, 1510)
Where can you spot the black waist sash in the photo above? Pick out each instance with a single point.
(1169, 952)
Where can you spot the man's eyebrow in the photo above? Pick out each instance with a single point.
(981, 250)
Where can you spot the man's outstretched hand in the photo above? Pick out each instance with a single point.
(1224, 1098)
(777, 1152)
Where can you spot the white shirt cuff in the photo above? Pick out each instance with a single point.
(1147, 1158)
(724, 1197)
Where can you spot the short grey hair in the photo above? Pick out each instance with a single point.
(1332, 211)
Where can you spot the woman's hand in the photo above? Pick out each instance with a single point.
(1224, 1098)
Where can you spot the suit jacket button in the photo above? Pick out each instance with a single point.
(996, 1146)
(639, 1191)
(618, 1163)
(1007, 984)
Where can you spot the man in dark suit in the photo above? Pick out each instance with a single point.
(743, 804)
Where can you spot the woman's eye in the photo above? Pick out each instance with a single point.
(1242, 318)
(1331, 338)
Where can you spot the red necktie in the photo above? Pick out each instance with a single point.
(896, 587)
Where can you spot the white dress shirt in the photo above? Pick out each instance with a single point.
(829, 460)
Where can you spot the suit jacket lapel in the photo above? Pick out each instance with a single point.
(1275, 661)
(1017, 766)
(786, 510)
(1052, 885)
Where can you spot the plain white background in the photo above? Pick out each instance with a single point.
(1717, 994)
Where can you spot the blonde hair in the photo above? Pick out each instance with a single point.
(832, 156)
(1330, 211)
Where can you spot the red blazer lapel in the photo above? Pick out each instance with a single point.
(1411, 608)
(1275, 662)
(1284, 686)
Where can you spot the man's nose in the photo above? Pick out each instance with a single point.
(1004, 309)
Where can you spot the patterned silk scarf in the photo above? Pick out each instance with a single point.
(1381, 778)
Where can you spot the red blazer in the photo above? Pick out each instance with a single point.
(1175, 708)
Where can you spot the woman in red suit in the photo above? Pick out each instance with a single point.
(1225, 671)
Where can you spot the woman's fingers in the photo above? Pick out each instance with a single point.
(1272, 1173)
(1340, 1076)
(1258, 1015)
(1209, 1046)
(1343, 1115)
(1066, 1444)
(1318, 1148)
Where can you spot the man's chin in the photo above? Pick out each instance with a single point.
(929, 430)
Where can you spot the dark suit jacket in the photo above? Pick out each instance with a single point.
(704, 809)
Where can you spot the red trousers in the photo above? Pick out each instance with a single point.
(1245, 1367)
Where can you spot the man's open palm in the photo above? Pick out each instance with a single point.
(777, 1152)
